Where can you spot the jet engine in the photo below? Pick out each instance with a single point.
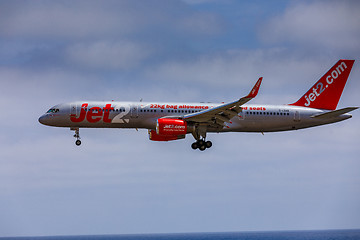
(168, 129)
(156, 137)
(169, 126)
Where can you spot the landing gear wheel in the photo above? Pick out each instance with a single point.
(77, 136)
(194, 145)
(200, 143)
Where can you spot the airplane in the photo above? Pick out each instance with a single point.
(173, 121)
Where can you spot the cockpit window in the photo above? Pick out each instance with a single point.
(53, 110)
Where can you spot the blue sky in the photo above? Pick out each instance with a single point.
(118, 181)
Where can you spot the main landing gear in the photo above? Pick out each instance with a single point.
(77, 136)
(200, 136)
(201, 145)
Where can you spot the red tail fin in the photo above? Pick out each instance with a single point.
(326, 93)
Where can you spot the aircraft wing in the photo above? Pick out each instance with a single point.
(223, 113)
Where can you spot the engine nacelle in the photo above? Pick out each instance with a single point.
(169, 126)
(156, 137)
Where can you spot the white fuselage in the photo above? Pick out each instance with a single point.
(252, 118)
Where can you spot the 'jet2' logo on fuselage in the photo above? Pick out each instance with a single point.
(94, 114)
(320, 86)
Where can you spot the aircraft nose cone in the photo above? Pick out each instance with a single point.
(43, 119)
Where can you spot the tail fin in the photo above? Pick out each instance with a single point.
(326, 93)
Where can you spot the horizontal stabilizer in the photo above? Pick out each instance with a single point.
(334, 113)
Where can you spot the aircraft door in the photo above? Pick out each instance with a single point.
(73, 109)
(297, 116)
(134, 111)
(241, 115)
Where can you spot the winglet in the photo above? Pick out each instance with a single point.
(254, 91)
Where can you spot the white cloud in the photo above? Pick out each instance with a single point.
(83, 19)
(330, 24)
(107, 55)
(78, 19)
(198, 1)
(28, 93)
(231, 74)
(201, 24)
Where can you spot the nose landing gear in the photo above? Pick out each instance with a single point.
(77, 136)
(78, 142)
